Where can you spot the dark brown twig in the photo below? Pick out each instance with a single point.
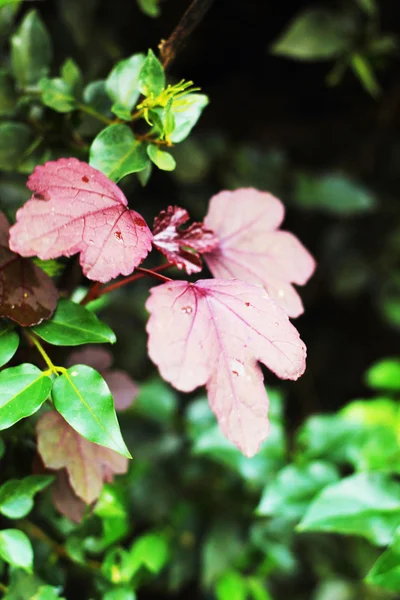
(194, 14)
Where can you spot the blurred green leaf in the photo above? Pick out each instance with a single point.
(15, 139)
(364, 72)
(231, 586)
(186, 112)
(9, 342)
(57, 94)
(293, 489)
(24, 585)
(72, 75)
(369, 6)
(366, 504)
(384, 375)
(316, 34)
(257, 590)
(151, 76)
(333, 193)
(385, 573)
(122, 84)
(221, 548)
(150, 551)
(151, 8)
(156, 401)
(163, 160)
(31, 51)
(16, 549)
(111, 509)
(116, 152)
(8, 97)
(120, 593)
(16, 495)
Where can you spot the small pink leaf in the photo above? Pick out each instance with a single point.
(65, 499)
(213, 332)
(251, 247)
(96, 357)
(88, 465)
(182, 247)
(75, 208)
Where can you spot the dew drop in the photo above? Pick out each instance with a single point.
(187, 310)
(281, 293)
(91, 242)
(74, 373)
(25, 295)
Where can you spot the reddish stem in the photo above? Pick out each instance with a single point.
(96, 291)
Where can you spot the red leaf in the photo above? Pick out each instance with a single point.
(88, 465)
(182, 247)
(75, 208)
(213, 332)
(251, 247)
(123, 389)
(27, 294)
(65, 499)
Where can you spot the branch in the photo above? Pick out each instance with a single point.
(194, 14)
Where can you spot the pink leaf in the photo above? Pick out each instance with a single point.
(251, 247)
(75, 208)
(213, 332)
(65, 499)
(88, 465)
(123, 389)
(182, 247)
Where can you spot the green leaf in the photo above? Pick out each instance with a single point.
(9, 342)
(364, 72)
(368, 6)
(386, 571)
(151, 8)
(23, 390)
(73, 325)
(15, 139)
(122, 84)
(24, 585)
(231, 586)
(257, 589)
(316, 34)
(291, 492)
(16, 496)
(31, 52)
(145, 174)
(8, 97)
(156, 401)
(150, 551)
(186, 112)
(163, 160)
(151, 76)
(83, 398)
(384, 375)
(72, 75)
(120, 593)
(16, 549)
(116, 152)
(366, 504)
(334, 194)
(57, 94)
(95, 94)
(220, 549)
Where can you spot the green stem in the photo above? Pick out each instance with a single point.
(92, 112)
(52, 368)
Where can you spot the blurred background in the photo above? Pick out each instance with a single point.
(304, 103)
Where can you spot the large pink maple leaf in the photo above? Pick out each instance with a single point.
(75, 208)
(253, 249)
(213, 333)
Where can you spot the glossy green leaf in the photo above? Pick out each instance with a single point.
(384, 375)
(163, 160)
(366, 504)
(151, 76)
(31, 51)
(122, 84)
(16, 549)
(8, 97)
(186, 112)
(9, 342)
(231, 586)
(116, 152)
(73, 325)
(83, 398)
(385, 573)
(23, 390)
(16, 495)
(333, 194)
(57, 94)
(95, 95)
(290, 493)
(15, 139)
(315, 34)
